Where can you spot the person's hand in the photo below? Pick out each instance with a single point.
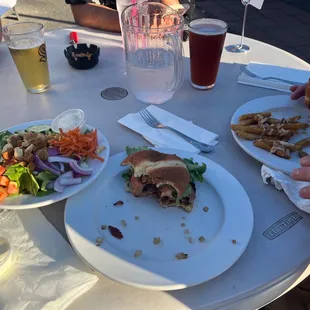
(297, 91)
(303, 174)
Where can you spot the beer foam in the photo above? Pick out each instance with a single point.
(25, 43)
(208, 27)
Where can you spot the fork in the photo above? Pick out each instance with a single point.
(253, 75)
(153, 122)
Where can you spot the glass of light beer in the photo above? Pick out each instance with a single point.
(26, 43)
(206, 40)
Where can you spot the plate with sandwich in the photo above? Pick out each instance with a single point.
(160, 219)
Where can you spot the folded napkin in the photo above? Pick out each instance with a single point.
(265, 70)
(45, 273)
(291, 187)
(165, 137)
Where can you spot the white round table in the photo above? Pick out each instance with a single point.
(268, 267)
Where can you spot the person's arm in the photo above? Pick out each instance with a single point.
(96, 16)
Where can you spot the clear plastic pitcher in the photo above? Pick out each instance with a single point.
(154, 55)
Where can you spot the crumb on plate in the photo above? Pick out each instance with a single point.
(156, 240)
(123, 222)
(181, 255)
(202, 239)
(115, 232)
(103, 227)
(186, 231)
(137, 218)
(138, 253)
(118, 203)
(99, 240)
(205, 209)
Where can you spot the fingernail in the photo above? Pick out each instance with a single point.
(303, 192)
(295, 173)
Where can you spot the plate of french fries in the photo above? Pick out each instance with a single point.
(274, 130)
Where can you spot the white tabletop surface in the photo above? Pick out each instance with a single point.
(268, 267)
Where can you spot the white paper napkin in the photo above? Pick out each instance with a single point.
(264, 70)
(291, 187)
(165, 137)
(45, 273)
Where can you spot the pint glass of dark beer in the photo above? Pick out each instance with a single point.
(206, 40)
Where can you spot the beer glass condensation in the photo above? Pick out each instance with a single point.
(206, 40)
(26, 43)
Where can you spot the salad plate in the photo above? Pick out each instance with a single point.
(54, 178)
(160, 248)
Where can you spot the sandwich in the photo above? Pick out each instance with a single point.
(165, 176)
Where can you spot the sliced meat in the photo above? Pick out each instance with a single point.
(14, 139)
(43, 154)
(136, 186)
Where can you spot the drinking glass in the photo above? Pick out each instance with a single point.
(153, 47)
(206, 40)
(26, 44)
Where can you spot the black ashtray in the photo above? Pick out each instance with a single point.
(81, 56)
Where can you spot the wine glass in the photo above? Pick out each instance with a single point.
(241, 48)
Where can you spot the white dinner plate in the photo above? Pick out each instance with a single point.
(280, 106)
(22, 202)
(226, 227)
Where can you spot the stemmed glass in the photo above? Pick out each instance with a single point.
(241, 48)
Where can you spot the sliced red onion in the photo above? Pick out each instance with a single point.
(67, 175)
(51, 165)
(70, 181)
(60, 159)
(57, 187)
(62, 167)
(53, 151)
(79, 170)
(41, 165)
(59, 166)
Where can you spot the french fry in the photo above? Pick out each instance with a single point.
(302, 143)
(252, 115)
(262, 145)
(250, 129)
(302, 154)
(272, 121)
(251, 136)
(296, 126)
(290, 120)
(267, 131)
(285, 153)
(270, 145)
(293, 119)
(247, 135)
(246, 122)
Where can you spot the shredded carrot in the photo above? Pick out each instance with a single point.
(74, 142)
